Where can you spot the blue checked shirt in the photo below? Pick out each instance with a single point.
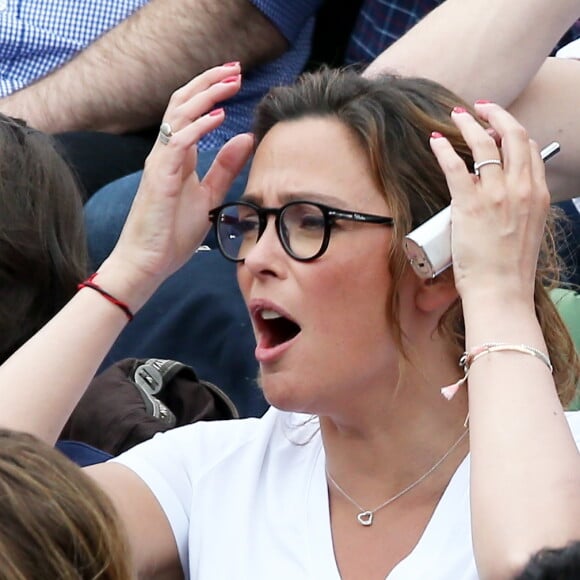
(38, 36)
(381, 22)
(295, 20)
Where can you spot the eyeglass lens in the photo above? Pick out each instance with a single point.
(301, 229)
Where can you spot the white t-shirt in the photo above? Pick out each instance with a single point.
(256, 494)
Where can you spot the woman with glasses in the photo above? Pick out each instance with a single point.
(380, 456)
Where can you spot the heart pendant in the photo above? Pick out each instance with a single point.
(365, 518)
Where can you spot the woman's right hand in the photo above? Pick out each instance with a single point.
(169, 216)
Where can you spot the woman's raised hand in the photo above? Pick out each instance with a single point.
(169, 217)
(498, 217)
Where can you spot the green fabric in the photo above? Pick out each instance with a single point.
(568, 304)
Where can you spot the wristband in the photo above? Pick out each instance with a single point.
(89, 283)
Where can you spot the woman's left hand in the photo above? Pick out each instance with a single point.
(498, 217)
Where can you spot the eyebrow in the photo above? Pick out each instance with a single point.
(288, 196)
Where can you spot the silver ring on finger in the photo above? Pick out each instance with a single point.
(480, 164)
(165, 133)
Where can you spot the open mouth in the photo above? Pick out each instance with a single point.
(275, 328)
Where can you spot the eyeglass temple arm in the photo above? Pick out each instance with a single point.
(361, 217)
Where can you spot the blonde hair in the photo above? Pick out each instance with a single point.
(55, 522)
(393, 117)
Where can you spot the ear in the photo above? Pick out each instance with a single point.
(436, 295)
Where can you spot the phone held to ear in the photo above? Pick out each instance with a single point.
(428, 247)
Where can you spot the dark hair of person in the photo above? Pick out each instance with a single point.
(553, 564)
(392, 118)
(42, 241)
(55, 521)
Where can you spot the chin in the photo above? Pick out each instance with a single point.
(281, 392)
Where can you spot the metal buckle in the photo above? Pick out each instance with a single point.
(149, 382)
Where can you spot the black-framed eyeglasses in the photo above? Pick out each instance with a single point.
(303, 227)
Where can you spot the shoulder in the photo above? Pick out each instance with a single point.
(203, 447)
(187, 468)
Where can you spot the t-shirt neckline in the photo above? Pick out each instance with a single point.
(434, 539)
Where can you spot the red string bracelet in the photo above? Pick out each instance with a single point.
(88, 283)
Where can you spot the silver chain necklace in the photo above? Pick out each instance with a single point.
(365, 517)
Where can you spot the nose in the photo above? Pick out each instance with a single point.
(267, 255)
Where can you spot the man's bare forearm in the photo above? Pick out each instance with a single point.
(548, 108)
(481, 48)
(122, 82)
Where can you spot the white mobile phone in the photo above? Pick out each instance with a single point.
(428, 247)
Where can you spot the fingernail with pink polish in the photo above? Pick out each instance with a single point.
(216, 112)
(232, 79)
(459, 110)
(436, 135)
(482, 102)
(233, 63)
